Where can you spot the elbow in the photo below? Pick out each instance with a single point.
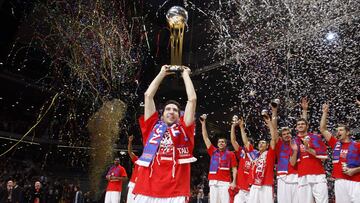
(146, 95)
(192, 99)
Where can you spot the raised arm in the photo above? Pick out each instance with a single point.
(274, 120)
(129, 147)
(244, 136)
(150, 107)
(273, 131)
(323, 129)
(234, 143)
(189, 114)
(274, 111)
(204, 131)
(304, 107)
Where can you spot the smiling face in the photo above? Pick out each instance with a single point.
(285, 134)
(221, 143)
(171, 114)
(302, 126)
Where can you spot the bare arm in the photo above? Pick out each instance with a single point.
(293, 157)
(130, 151)
(150, 107)
(244, 137)
(273, 132)
(304, 106)
(352, 171)
(274, 120)
(234, 173)
(189, 114)
(114, 178)
(234, 143)
(204, 131)
(323, 129)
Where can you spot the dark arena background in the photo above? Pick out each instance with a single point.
(73, 76)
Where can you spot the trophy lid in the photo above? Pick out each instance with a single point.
(177, 14)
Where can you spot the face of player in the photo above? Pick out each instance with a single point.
(301, 127)
(286, 135)
(342, 133)
(171, 114)
(10, 185)
(37, 185)
(263, 145)
(116, 162)
(221, 144)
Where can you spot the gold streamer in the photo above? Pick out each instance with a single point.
(104, 129)
(33, 127)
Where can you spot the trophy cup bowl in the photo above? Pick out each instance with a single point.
(265, 113)
(177, 15)
(275, 102)
(177, 18)
(235, 119)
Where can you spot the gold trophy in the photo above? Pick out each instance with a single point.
(177, 18)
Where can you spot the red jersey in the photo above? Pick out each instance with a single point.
(164, 177)
(244, 167)
(262, 169)
(222, 175)
(135, 169)
(291, 169)
(116, 185)
(308, 164)
(337, 169)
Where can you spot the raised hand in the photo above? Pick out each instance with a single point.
(203, 118)
(186, 70)
(304, 103)
(131, 138)
(165, 70)
(266, 116)
(325, 108)
(241, 123)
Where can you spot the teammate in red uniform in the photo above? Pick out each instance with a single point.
(311, 151)
(242, 182)
(115, 176)
(346, 161)
(287, 175)
(222, 162)
(164, 166)
(262, 169)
